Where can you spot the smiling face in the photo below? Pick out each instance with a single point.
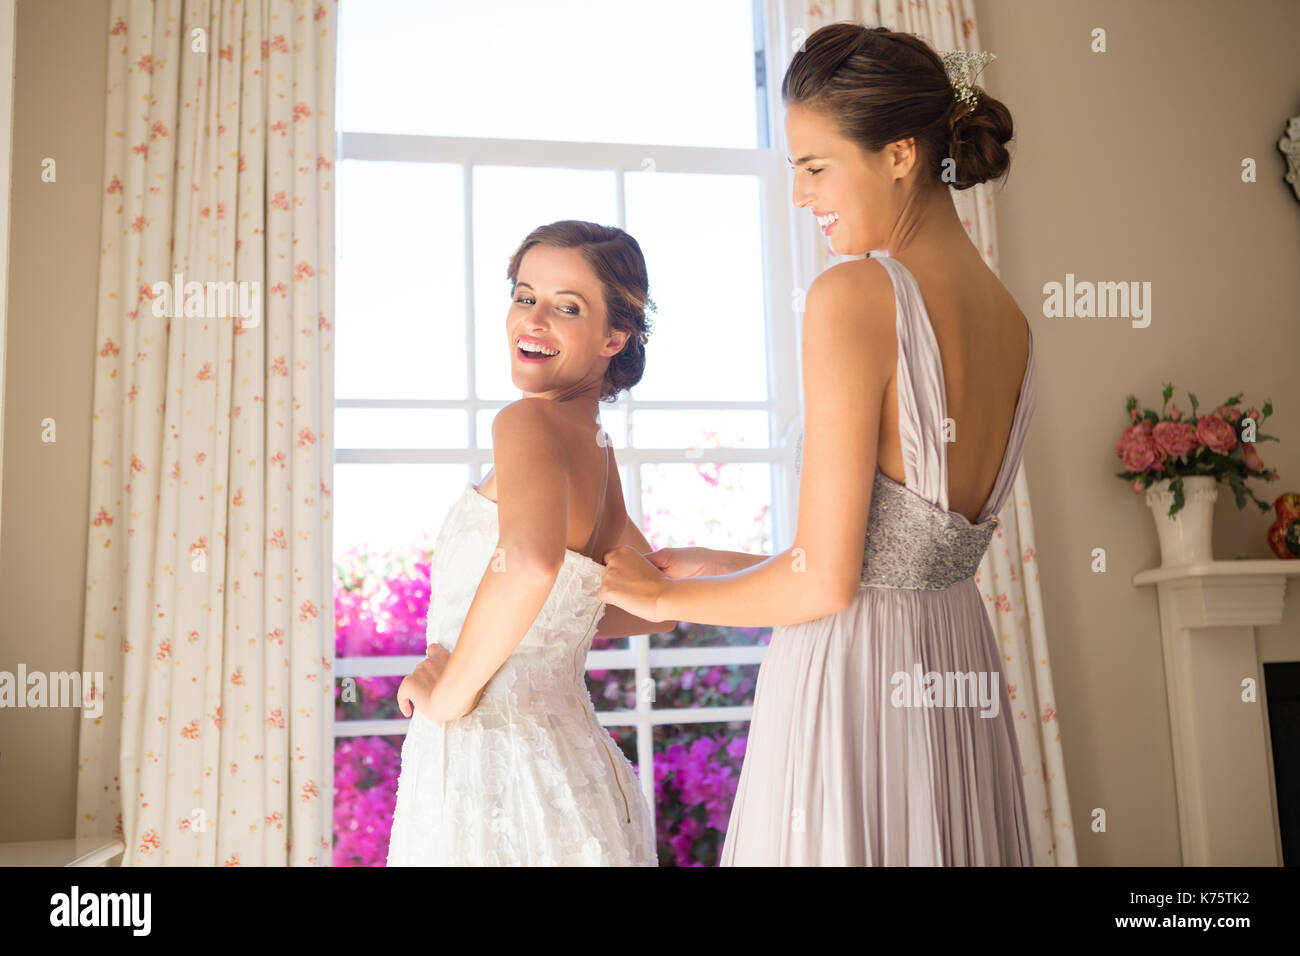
(856, 195)
(559, 344)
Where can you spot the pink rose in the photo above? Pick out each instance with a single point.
(1137, 448)
(1175, 438)
(1174, 412)
(1223, 411)
(1137, 487)
(1216, 434)
(1253, 414)
(1140, 428)
(1251, 456)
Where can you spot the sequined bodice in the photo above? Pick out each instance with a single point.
(913, 544)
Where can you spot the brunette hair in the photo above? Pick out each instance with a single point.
(616, 259)
(881, 86)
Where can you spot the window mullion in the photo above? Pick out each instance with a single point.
(471, 342)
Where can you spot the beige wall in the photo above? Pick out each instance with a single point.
(53, 269)
(1126, 168)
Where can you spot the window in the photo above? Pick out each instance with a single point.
(461, 128)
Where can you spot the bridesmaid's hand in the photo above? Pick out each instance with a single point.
(416, 690)
(632, 583)
(689, 562)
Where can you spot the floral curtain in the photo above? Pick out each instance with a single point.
(209, 586)
(1008, 575)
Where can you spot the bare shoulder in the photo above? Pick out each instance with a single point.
(854, 277)
(523, 415)
(523, 437)
(853, 299)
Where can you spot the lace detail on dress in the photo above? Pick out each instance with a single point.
(529, 777)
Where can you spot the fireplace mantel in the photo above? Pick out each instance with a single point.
(1223, 768)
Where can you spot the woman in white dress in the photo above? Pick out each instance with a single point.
(851, 760)
(505, 761)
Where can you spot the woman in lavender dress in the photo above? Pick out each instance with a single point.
(882, 732)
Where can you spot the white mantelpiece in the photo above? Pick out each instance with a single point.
(76, 851)
(1223, 764)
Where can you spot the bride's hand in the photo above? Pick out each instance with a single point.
(632, 583)
(416, 689)
(688, 562)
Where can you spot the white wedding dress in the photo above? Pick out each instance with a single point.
(529, 777)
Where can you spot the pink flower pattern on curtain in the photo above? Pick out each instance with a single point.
(209, 582)
(1008, 575)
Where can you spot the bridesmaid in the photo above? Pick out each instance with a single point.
(892, 520)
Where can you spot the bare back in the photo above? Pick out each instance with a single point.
(588, 470)
(983, 340)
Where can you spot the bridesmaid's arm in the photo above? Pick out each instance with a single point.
(849, 353)
(616, 622)
(739, 560)
(532, 510)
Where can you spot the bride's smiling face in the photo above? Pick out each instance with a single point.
(836, 178)
(559, 305)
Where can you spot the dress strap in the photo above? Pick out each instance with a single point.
(600, 509)
(922, 404)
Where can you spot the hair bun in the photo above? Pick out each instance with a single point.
(978, 134)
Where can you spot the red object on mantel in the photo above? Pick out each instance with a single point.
(1284, 533)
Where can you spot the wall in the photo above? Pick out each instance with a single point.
(59, 93)
(1128, 167)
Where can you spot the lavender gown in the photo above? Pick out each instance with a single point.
(836, 771)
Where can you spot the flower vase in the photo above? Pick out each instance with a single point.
(1184, 538)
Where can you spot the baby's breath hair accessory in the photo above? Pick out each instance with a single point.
(962, 68)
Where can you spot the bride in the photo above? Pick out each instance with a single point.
(505, 761)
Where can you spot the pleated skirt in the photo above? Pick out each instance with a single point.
(883, 736)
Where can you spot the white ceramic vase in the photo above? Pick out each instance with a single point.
(1186, 537)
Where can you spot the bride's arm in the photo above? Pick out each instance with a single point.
(849, 352)
(532, 511)
(617, 622)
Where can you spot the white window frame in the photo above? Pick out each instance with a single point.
(782, 321)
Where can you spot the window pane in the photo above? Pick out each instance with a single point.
(697, 768)
(509, 203)
(401, 281)
(709, 636)
(399, 428)
(708, 338)
(717, 685)
(702, 429)
(710, 504)
(612, 71)
(612, 690)
(382, 507)
(365, 793)
(368, 698)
